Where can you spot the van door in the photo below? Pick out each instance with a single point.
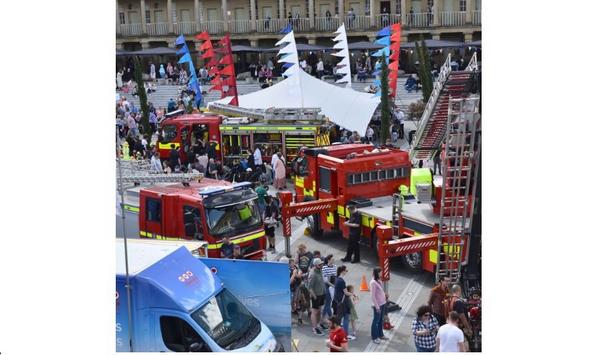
(174, 333)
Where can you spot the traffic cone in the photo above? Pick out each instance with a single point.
(364, 284)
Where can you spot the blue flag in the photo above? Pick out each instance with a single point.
(180, 40)
(287, 65)
(185, 58)
(384, 32)
(182, 50)
(286, 29)
(385, 41)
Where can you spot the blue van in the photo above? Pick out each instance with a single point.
(178, 304)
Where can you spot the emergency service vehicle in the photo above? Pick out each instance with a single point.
(230, 131)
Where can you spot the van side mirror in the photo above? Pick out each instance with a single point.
(195, 347)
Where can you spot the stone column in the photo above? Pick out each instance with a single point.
(372, 18)
(145, 45)
(341, 10)
(170, 22)
(196, 16)
(311, 11)
(404, 11)
(143, 21)
(225, 17)
(470, 5)
(436, 12)
(281, 6)
(172, 43)
(253, 16)
(468, 37)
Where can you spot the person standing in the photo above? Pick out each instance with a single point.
(162, 72)
(119, 80)
(153, 120)
(270, 216)
(424, 328)
(438, 299)
(379, 299)
(340, 301)
(273, 162)
(258, 161)
(450, 338)
(352, 312)
(304, 258)
(203, 159)
(152, 72)
(227, 249)
(320, 68)
(156, 166)
(261, 192)
(338, 341)
(354, 224)
(369, 134)
(400, 116)
(328, 270)
(280, 181)
(174, 157)
(316, 287)
(437, 163)
(459, 305)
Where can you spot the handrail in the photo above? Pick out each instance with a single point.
(473, 64)
(433, 98)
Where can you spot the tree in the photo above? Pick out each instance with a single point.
(142, 95)
(385, 110)
(424, 69)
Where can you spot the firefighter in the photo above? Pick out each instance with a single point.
(403, 193)
(354, 224)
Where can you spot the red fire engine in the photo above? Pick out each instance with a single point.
(207, 210)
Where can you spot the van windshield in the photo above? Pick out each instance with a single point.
(227, 321)
(241, 217)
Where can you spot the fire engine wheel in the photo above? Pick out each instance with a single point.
(313, 221)
(414, 262)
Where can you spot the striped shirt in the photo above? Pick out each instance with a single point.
(328, 270)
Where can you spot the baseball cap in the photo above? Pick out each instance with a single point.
(317, 262)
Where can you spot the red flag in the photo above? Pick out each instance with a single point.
(208, 54)
(396, 28)
(203, 36)
(216, 87)
(206, 45)
(228, 70)
(216, 80)
(226, 60)
(393, 66)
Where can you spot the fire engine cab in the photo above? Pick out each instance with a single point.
(207, 210)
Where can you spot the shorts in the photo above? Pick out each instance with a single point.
(318, 302)
(269, 232)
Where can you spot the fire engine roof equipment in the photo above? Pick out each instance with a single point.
(347, 108)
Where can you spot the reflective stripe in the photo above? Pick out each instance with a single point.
(167, 145)
(239, 240)
(448, 249)
(330, 218)
(157, 236)
(433, 256)
(131, 208)
(341, 210)
(308, 192)
(299, 181)
(267, 128)
(367, 221)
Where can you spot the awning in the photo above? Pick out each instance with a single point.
(363, 45)
(434, 44)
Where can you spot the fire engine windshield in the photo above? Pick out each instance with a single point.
(168, 133)
(232, 217)
(227, 321)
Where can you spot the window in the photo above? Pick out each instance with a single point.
(168, 133)
(391, 174)
(366, 177)
(462, 5)
(382, 175)
(178, 335)
(325, 179)
(192, 220)
(378, 175)
(153, 210)
(367, 8)
(227, 321)
(232, 218)
(398, 7)
(148, 16)
(358, 179)
(122, 18)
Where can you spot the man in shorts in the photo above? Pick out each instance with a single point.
(316, 286)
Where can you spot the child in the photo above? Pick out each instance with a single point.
(353, 317)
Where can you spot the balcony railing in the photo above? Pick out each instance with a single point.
(452, 18)
(157, 29)
(476, 17)
(386, 19)
(213, 27)
(185, 28)
(130, 30)
(300, 24)
(328, 24)
(359, 23)
(273, 25)
(419, 20)
(240, 26)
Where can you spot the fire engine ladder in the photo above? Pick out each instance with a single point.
(432, 125)
(272, 114)
(460, 174)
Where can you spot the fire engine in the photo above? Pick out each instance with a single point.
(196, 208)
(231, 131)
(427, 224)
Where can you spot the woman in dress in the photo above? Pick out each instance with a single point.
(280, 181)
(119, 80)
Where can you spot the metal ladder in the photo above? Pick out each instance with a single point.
(395, 212)
(460, 174)
(272, 113)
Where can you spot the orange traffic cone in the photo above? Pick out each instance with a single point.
(364, 284)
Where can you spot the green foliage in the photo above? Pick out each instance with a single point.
(385, 110)
(424, 69)
(142, 95)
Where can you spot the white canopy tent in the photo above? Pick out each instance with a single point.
(345, 107)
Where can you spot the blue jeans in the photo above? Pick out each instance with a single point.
(327, 311)
(345, 322)
(421, 349)
(377, 323)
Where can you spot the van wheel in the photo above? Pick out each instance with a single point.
(413, 262)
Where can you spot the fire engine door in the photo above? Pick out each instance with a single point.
(192, 222)
(185, 139)
(152, 226)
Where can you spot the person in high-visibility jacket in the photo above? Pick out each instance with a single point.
(126, 150)
(403, 192)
